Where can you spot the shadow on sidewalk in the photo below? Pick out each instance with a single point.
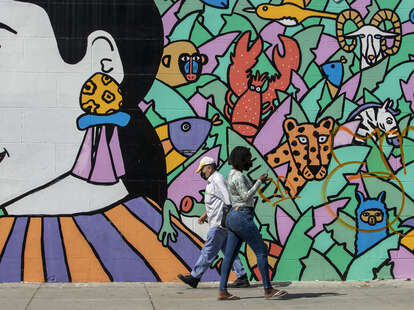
(297, 296)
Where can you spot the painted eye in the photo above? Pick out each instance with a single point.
(362, 36)
(252, 87)
(378, 36)
(303, 139)
(333, 66)
(378, 214)
(366, 214)
(389, 120)
(186, 126)
(185, 58)
(265, 8)
(197, 58)
(322, 138)
(258, 89)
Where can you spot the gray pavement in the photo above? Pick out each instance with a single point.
(378, 295)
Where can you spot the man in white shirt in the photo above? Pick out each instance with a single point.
(216, 198)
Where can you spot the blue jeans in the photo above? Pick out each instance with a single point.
(216, 241)
(242, 228)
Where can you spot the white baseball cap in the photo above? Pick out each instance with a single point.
(204, 162)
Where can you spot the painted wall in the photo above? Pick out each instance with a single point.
(106, 110)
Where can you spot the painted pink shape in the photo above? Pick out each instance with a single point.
(272, 132)
(300, 84)
(190, 183)
(403, 261)
(215, 48)
(407, 28)
(116, 153)
(360, 183)
(282, 171)
(82, 167)
(284, 224)
(395, 162)
(103, 171)
(143, 105)
(344, 137)
(323, 216)
(199, 103)
(361, 6)
(327, 47)
(169, 19)
(270, 34)
(350, 87)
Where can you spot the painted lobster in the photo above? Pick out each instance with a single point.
(252, 103)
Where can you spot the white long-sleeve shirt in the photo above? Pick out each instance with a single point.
(216, 197)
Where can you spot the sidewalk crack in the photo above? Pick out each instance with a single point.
(149, 296)
(31, 298)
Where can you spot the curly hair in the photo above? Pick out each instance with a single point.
(239, 157)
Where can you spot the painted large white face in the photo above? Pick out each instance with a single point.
(39, 96)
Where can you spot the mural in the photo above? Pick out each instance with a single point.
(100, 143)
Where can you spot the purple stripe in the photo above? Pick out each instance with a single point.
(56, 268)
(185, 248)
(119, 259)
(11, 262)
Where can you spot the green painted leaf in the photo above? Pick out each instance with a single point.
(317, 267)
(363, 267)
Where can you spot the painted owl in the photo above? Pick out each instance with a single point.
(371, 219)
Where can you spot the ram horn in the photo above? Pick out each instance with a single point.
(388, 15)
(340, 24)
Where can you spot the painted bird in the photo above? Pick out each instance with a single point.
(182, 138)
(334, 73)
(289, 12)
(221, 4)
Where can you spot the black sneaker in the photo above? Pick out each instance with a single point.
(190, 280)
(240, 282)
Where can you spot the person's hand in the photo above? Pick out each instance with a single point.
(263, 177)
(202, 219)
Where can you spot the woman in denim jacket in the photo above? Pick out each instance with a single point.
(240, 223)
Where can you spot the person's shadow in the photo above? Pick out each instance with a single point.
(297, 296)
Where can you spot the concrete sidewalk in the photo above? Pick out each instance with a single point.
(378, 295)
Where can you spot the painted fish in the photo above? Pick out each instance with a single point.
(182, 138)
(289, 12)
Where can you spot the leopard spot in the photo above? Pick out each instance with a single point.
(301, 129)
(294, 143)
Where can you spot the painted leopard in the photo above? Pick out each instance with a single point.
(307, 150)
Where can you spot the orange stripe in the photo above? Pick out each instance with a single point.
(6, 224)
(161, 259)
(83, 265)
(33, 261)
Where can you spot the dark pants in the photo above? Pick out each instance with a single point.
(242, 228)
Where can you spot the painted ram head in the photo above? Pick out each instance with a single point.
(373, 40)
